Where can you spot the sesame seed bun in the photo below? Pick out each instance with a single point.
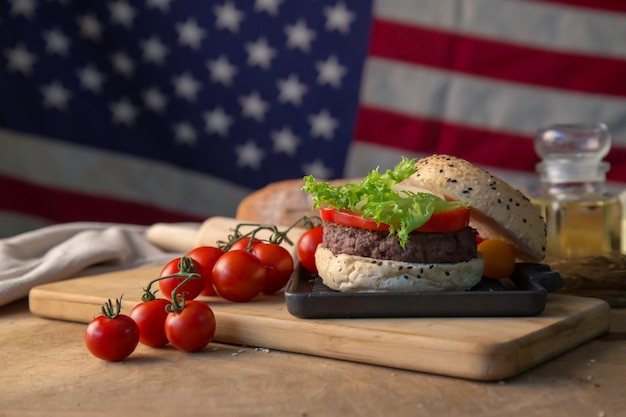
(498, 210)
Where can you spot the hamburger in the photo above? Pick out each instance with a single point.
(415, 228)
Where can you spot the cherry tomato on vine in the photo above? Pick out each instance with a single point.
(239, 276)
(150, 317)
(191, 328)
(244, 243)
(278, 263)
(112, 336)
(307, 244)
(499, 258)
(191, 288)
(206, 257)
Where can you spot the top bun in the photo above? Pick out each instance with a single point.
(498, 211)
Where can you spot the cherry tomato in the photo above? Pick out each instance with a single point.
(150, 317)
(278, 263)
(444, 221)
(239, 276)
(244, 243)
(206, 257)
(191, 328)
(307, 244)
(499, 258)
(191, 288)
(112, 336)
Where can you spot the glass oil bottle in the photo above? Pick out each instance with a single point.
(583, 219)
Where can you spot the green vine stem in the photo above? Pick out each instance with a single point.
(178, 300)
(277, 236)
(109, 310)
(186, 270)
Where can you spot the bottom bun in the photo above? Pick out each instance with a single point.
(349, 273)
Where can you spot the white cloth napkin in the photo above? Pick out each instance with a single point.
(70, 250)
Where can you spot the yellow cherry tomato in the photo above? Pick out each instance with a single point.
(499, 258)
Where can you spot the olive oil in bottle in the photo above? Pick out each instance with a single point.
(582, 217)
(586, 227)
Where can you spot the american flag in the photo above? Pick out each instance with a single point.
(170, 110)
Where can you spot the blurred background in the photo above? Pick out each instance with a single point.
(145, 111)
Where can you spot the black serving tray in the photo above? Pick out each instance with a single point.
(524, 294)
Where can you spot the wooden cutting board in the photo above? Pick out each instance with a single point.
(485, 349)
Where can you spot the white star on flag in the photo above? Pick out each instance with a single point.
(249, 155)
(228, 17)
(217, 121)
(221, 70)
(253, 106)
(291, 90)
(323, 125)
(91, 79)
(190, 33)
(124, 113)
(56, 96)
(299, 36)
(20, 60)
(260, 53)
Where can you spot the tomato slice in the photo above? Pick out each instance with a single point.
(349, 218)
(444, 221)
(447, 221)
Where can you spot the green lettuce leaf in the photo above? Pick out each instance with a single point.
(374, 198)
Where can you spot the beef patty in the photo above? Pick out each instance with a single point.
(449, 247)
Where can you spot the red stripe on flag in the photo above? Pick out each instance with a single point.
(425, 135)
(499, 60)
(61, 206)
(500, 149)
(606, 5)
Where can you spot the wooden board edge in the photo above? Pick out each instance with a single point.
(494, 363)
(489, 364)
(566, 334)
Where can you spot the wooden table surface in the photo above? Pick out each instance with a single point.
(46, 370)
